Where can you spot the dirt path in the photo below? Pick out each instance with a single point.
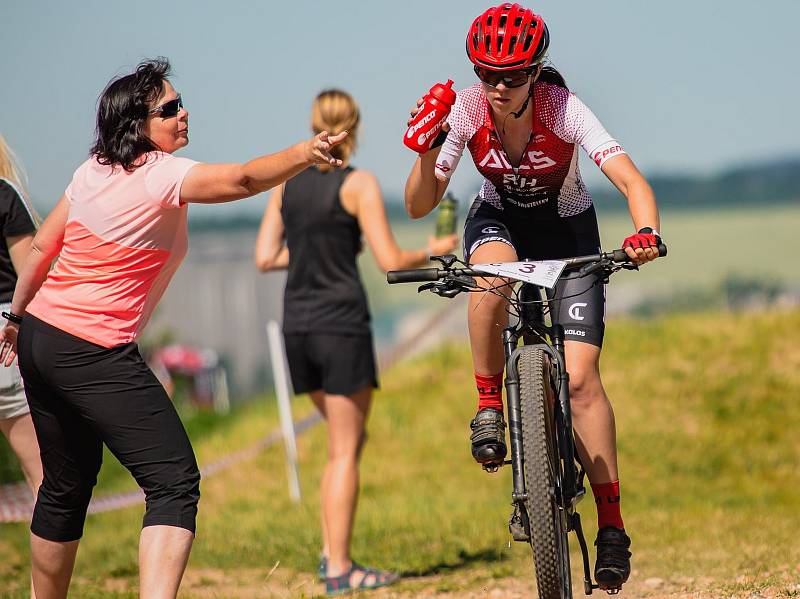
(280, 583)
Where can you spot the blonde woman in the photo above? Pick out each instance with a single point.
(18, 221)
(312, 226)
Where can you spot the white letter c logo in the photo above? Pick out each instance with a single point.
(574, 311)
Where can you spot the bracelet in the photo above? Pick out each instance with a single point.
(15, 318)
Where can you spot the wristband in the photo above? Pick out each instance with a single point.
(15, 318)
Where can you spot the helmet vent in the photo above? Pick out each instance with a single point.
(499, 43)
(489, 20)
(528, 40)
(517, 21)
(487, 44)
(502, 21)
(512, 44)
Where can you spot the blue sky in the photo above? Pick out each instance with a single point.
(686, 87)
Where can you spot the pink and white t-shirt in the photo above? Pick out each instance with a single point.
(125, 237)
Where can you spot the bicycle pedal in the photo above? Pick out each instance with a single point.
(614, 591)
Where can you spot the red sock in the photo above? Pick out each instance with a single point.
(606, 496)
(490, 391)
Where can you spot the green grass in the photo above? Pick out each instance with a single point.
(708, 413)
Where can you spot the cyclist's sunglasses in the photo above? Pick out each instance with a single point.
(507, 78)
(168, 109)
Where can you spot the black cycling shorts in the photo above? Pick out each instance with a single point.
(83, 395)
(581, 309)
(335, 363)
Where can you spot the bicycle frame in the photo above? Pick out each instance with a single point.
(569, 487)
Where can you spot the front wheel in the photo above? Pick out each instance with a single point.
(542, 472)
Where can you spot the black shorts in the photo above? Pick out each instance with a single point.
(581, 311)
(338, 364)
(83, 395)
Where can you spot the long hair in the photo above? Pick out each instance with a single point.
(334, 110)
(549, 74)
(122, 113)
(11, 170)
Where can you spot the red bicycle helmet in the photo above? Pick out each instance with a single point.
(507, 37)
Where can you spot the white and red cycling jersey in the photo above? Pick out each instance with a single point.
(548, 174)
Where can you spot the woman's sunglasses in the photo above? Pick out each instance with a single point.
(168, 109)
(507, 78)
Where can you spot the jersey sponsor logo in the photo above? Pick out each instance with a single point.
(600, 156)
(539, 161)
(539, 138)
(443, 166)
(531, 204)
(494, 159)
(575, 332)
(575, 310)
(520, 181)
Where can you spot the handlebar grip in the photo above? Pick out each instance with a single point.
(414, 275)
(621, 256)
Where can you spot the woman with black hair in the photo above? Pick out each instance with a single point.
(119, 232)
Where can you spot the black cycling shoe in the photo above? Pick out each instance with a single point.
(488, 436)
(613, 564)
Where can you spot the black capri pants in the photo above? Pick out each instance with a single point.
(83, 395)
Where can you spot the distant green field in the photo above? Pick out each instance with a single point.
(705, 246)
(707, 417)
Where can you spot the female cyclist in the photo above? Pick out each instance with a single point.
(522, 126)
(312, 226)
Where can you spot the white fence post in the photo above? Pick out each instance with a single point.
(282, 392)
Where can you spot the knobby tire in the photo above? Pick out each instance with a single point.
(548, 529)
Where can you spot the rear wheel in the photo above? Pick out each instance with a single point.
(542, 471)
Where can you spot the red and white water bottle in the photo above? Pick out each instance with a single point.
(432, 114)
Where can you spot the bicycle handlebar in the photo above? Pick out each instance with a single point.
(414, 275)
(423, 275)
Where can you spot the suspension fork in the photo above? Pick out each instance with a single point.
(564, 421)
(510, 340)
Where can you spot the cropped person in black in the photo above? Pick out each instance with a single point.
(313, 226)
(17, 225)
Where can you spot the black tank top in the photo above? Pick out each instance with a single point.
(323, 292)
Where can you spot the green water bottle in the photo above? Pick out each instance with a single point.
(446, 219)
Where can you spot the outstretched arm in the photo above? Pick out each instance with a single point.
(361, 190)
(217, 183)
(621, 171)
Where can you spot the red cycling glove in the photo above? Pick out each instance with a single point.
(645, 238)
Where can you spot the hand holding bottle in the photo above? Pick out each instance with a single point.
(430, 117)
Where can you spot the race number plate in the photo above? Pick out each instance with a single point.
(541, 272)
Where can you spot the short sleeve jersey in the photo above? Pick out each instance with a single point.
(548, 172)
(125, 237)
(15, 219)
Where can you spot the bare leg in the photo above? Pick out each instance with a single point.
(318, 397)
(487, 315)
(592, 415)
(22, 438)
(51, 566)
(346, 420)
(163, 553)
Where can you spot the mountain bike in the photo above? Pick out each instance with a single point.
(548, 478)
